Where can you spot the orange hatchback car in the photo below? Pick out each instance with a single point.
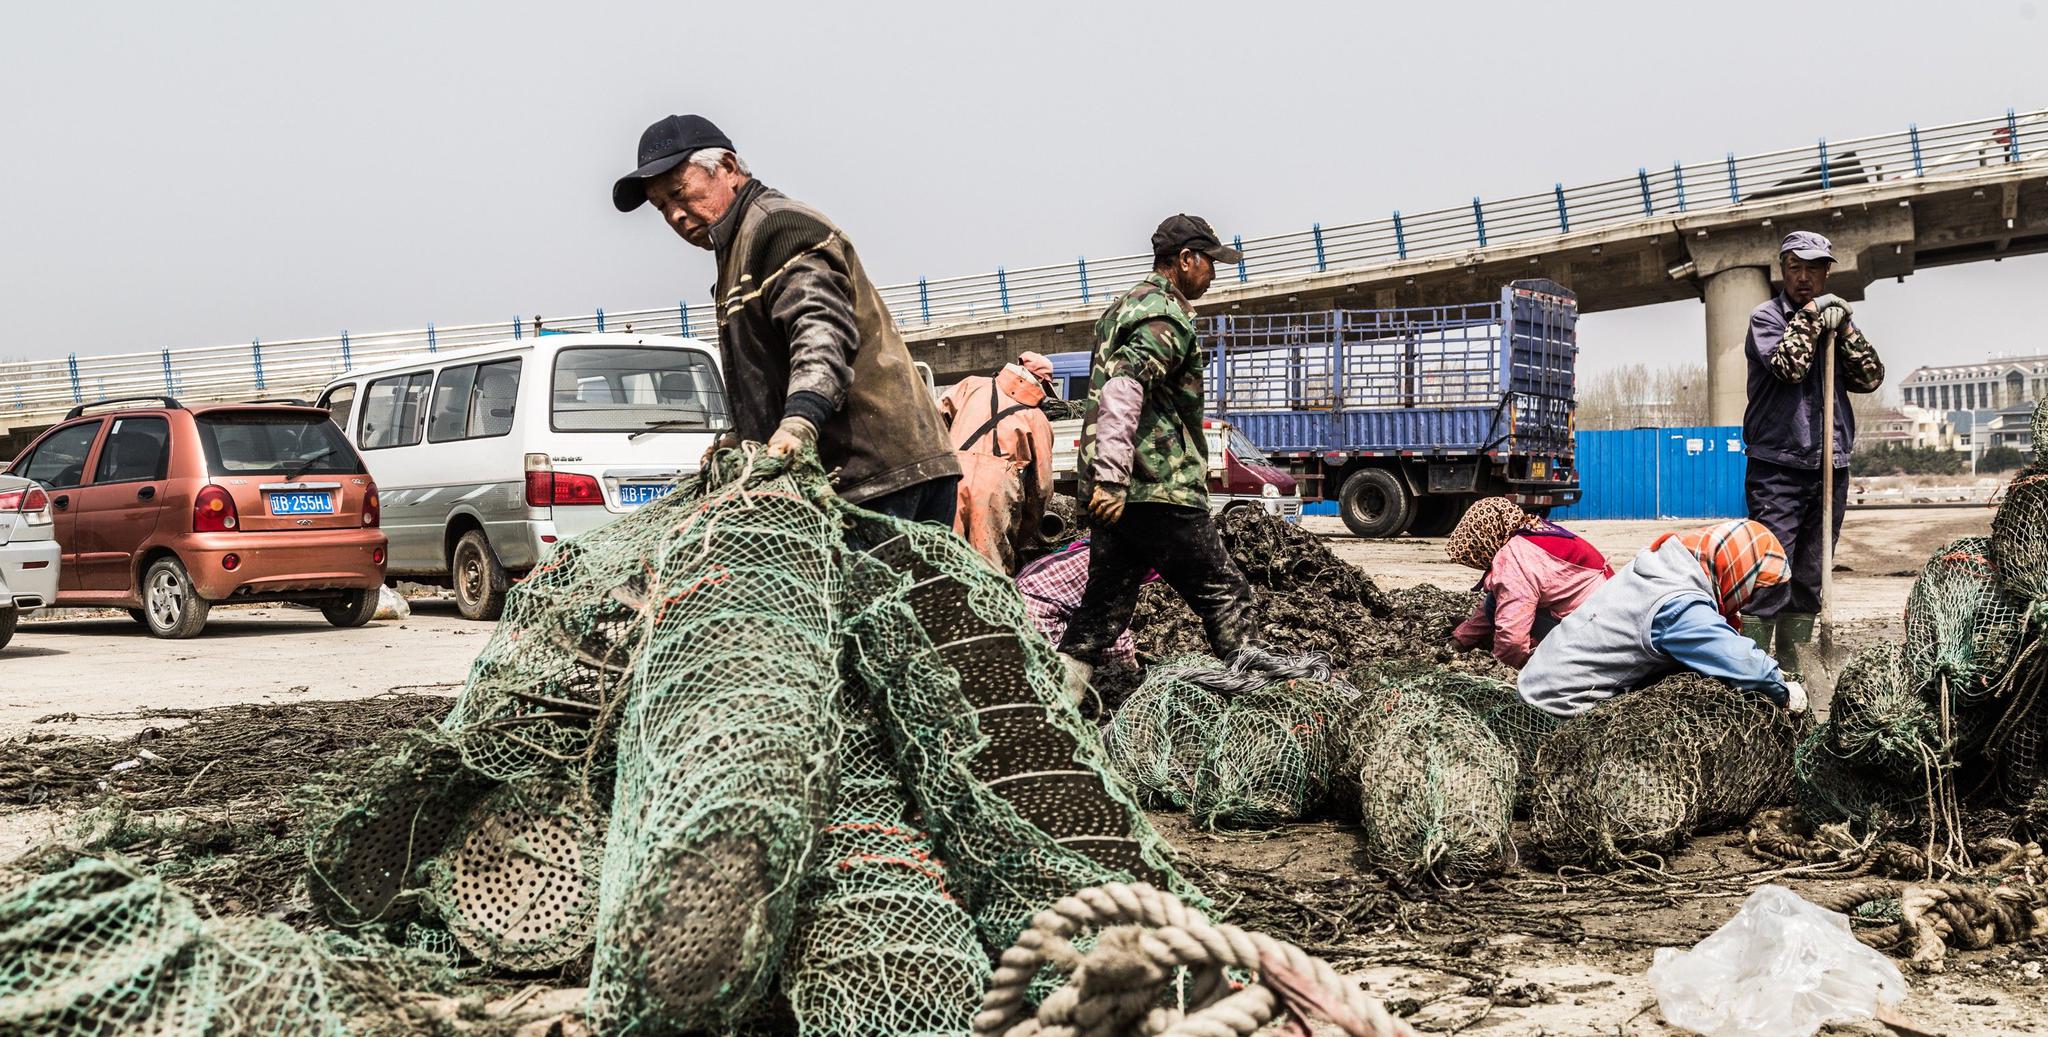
(166, 511)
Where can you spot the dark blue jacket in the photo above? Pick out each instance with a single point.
(1782, 421)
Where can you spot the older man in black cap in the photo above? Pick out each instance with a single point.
(811, 354)
(1782, 425)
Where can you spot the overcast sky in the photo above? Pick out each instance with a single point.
(199, 173)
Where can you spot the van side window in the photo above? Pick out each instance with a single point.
(137, 449)
(474, 401)
(394, 408)
(58, 462)
(339, 401)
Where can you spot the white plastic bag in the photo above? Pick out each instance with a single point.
(1782, 967)
(391, 605)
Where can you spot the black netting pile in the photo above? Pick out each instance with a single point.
(1436, 787)
(1306, 599)
(1641, 773)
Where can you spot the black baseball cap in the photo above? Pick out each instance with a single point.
(664, 146)
(1181, 231)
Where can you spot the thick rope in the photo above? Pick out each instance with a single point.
(1148, 935)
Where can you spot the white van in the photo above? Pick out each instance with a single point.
(486, 458)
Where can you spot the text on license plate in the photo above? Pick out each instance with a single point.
(1539, 469)
(634, 494)
(302, 503)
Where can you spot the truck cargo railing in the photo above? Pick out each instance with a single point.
(40, 391)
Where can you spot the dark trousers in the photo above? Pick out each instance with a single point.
(1787, 502)
(1182, 545)
(933, 500)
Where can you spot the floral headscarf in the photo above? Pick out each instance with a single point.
(1484, 530)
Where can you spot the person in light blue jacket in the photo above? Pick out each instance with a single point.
(1677, 606)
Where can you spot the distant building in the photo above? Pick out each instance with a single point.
(1993, 384)
(1907, 426)
(2013, 427)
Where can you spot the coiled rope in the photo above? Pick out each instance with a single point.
(1147, 935)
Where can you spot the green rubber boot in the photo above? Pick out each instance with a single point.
(1763, 631)
(1795, 643)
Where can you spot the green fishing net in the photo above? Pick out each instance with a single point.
(98, 949)
(1961, 626)
(1829, 786)
(1519, 726)
(1646, 770)
(1159, 736)
(1274, 754)
(1436, 788)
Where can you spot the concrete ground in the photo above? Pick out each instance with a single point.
(61, 664)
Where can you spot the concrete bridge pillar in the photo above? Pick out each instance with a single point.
(1731, 295)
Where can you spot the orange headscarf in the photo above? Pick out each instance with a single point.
(1739, 557)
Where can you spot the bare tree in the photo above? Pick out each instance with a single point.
(1635, 395)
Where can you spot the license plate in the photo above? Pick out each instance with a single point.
(302, 503)
(1539, 470)
(634, 494)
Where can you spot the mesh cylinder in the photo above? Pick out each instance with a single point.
(1436, 789)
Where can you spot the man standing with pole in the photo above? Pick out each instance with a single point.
(1144, 468)
(1805, 357)
(811, 355)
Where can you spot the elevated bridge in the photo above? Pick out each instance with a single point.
(1892, 203)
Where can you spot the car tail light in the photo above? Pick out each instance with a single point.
(213, 511)
(231, 561)
(30, 501)
(546, 487)
(377, 556)
(373, 509)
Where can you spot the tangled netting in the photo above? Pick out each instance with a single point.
(2018, 737)
(748, 740)
(1436, 788)
(1641, 773)
(1232, 746)
(1961, 625)
(98, 949)
(1882, 755)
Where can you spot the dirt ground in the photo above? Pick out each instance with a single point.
(66, 673)
(1533, 954)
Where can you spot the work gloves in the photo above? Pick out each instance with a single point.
(1107, 504)
(795, 433)
(1795, 697)
(1833, 310)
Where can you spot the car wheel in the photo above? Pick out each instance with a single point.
(353, 610)
(9, 616)
(171, 608)
(480, 582)
(1373, 503)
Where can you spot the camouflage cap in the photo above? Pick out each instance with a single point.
(1182, 231)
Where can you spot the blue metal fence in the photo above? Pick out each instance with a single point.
(1660, 473)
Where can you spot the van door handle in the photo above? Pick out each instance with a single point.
(146, 493)
(62, 501)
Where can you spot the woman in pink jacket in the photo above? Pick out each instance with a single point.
(1537, 572)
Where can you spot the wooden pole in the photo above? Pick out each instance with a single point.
(1827, 488)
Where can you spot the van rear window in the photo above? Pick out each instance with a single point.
(251, 442)
(634, 388)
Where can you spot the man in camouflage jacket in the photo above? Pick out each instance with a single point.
(811, 356)
(1782, 427)
(1144, 458)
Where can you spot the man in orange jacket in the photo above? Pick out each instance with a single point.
(1004, 443)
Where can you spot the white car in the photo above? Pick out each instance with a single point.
(485, 459)
(28, 552)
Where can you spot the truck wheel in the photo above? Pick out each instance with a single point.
(1373, 503)
(1437, 516)
(354, 609)
(480, 582)
(171, 607)
(8, 617)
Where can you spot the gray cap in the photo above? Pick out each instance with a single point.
(1808, 246)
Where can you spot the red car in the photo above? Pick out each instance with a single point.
(166, 511)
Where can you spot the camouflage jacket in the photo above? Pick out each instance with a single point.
(1782, 420)
(1143, 426)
